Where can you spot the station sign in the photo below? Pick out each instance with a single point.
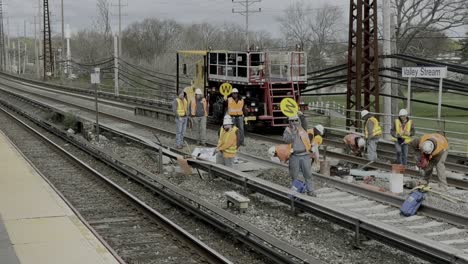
(424, 72)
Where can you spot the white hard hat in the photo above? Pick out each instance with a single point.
(320, 129)
(428, 147)
(272, 152)
(403, 112)
(361, 142)
(198, 91)
(364, 113)
(235, 90)
(227, 120)
(294, 117)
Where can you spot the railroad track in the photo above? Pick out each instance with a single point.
(390, 234)
(131, 228)
(273, 250)
(454, 162)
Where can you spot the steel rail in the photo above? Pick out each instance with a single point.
(211, 255)
(360, 190)
(408, 242)
(272, 248)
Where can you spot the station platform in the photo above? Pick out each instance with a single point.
(36, 225)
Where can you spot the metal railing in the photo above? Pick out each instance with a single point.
(335, 119)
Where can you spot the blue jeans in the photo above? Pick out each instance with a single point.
(401, 153)
(239, 123)
(372, 149)
(181, 126)
(301, 163)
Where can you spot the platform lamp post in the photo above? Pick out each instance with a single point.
(95, 81)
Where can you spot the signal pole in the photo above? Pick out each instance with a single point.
(2, 40)
(48, 55)
(246, 12)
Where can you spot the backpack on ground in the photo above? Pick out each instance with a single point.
(412, 203)
(298, 186)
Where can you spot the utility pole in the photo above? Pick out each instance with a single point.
(68, 36)
(48, 55)
(246, 4)
(36, 48)
(119, 6)
(2, 40)
(63, 32)
(40, 30)
(387, 50)
(8, 56)
(116, 66)
(25, 59)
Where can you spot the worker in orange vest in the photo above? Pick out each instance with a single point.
(180, 109)
(301, 147)
(355, 144)
(433, 149)
(236, 109)
(402, 131)
(199, 113)
(228, 143)
(372, 134)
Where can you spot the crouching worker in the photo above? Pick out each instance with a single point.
(280, 153)
(316, 139)
(354, 144)
(228, 143)
(300, 159)
(433, 149)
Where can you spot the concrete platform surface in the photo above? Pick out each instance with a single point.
(36, 225)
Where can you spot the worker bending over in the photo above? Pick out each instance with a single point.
(301, 147)
(228, 143)
(372, 134)
(236, 109)
(354, 144)
(402, 131)
(433, 149)
(316, 139)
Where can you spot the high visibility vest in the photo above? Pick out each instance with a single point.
(235, 108)
(194, 106)
(229, 138)
(315, 140)
(305, 139)
(181, 107)
(283, 152)
(440, 142)
(400, 130)
(377, 128)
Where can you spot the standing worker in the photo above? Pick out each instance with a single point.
(180, 109)
(236, 109)
(355, 144)
(372, 134)
(402, 131)
(315, 138)
(199, 113)
(433, 149)
(299, 159)
(228, 143)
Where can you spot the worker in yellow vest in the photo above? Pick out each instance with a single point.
(433, 150)
(402, 131)
(228, 143)
(372, 134)
(301, 148)
(236, 109)
(180, 109)
(316, 139)
(199, 113)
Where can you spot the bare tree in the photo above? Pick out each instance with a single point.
(416, 18)
(103, 24)
(312, 30)
(295, 23)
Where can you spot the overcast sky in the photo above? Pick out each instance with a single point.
(81, 13)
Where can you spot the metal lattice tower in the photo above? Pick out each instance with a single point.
(47, 46)
(363, 65)
(2, 41)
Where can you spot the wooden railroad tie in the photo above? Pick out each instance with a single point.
(237, 200)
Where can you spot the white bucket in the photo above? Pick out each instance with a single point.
(396, 183)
